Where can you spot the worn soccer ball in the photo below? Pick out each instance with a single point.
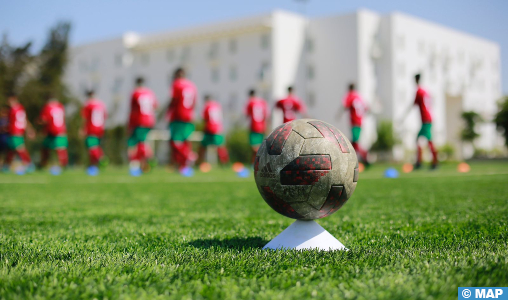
(306, 169)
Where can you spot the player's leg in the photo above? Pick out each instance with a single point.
(181, 147)
(419, 154)
(132, 147)
(143, 151)
(20, 149)
(45, 151)
(92, 144)
(427, 128)
(255, 140)
(190, 156)
(202, 148)
(61, 144)
(174, 144)
(222, 151)
(4, 148)
(356, 145)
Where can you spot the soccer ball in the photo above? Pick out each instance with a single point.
(306, 169)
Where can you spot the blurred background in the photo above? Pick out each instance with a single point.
(228, 47)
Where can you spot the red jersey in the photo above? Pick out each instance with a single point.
(422, 99)
(143, 105)
(290, 106)
(17, 120)
(257, 111)
(95, 115)
(184, 95)
(53, 115)
(356, 106)
(212, 114)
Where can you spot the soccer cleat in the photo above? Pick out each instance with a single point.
(30, 168)
(92, 171)
(103, 162)
(187, 171)
(244, 173)
(417, 166)
(55, 170)
(434, 166)
(136, 172)
(20, 170)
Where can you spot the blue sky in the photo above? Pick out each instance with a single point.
(26, 20)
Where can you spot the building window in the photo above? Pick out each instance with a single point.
(170, 55)
(233, 73)
(232, 46)
(186, 53)
(83, 86)
(233, 102)
(117, 85)
(265, 41)
(215, 75)
(263, 72)
(309, 44)
(311, 72)
(214, 50)
(94, 66)
(144, 59)
(311, 99)
(119, 60)
(266, 95)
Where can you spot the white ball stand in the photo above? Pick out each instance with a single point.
(305, 235)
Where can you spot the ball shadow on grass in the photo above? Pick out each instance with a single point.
(231, 243)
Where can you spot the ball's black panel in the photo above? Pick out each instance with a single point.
(306, 169)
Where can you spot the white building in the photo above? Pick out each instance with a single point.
(319, 56)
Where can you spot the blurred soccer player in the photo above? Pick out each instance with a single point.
(18, 124)
(290, 106)
(52, 117)
(357, 109)
(423, 101)
(257, 111)
(212, 115)
(141, 121)
(181, 115)
(4, 133)
(94, 113)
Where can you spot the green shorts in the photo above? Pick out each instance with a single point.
(256, 138)
(92, 141)
(426, 131)
(180, 131)
(138, 136)
(15, 141)
(55, 142)
(212, 139)
(356, 133)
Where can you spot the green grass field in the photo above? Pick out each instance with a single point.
(164, 236)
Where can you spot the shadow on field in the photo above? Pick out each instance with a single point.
(232, 243)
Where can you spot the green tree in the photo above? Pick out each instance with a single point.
(238, 146)
(37, 77)
(385, 137)
(469, 133)
(13, 65)
(501, 119)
